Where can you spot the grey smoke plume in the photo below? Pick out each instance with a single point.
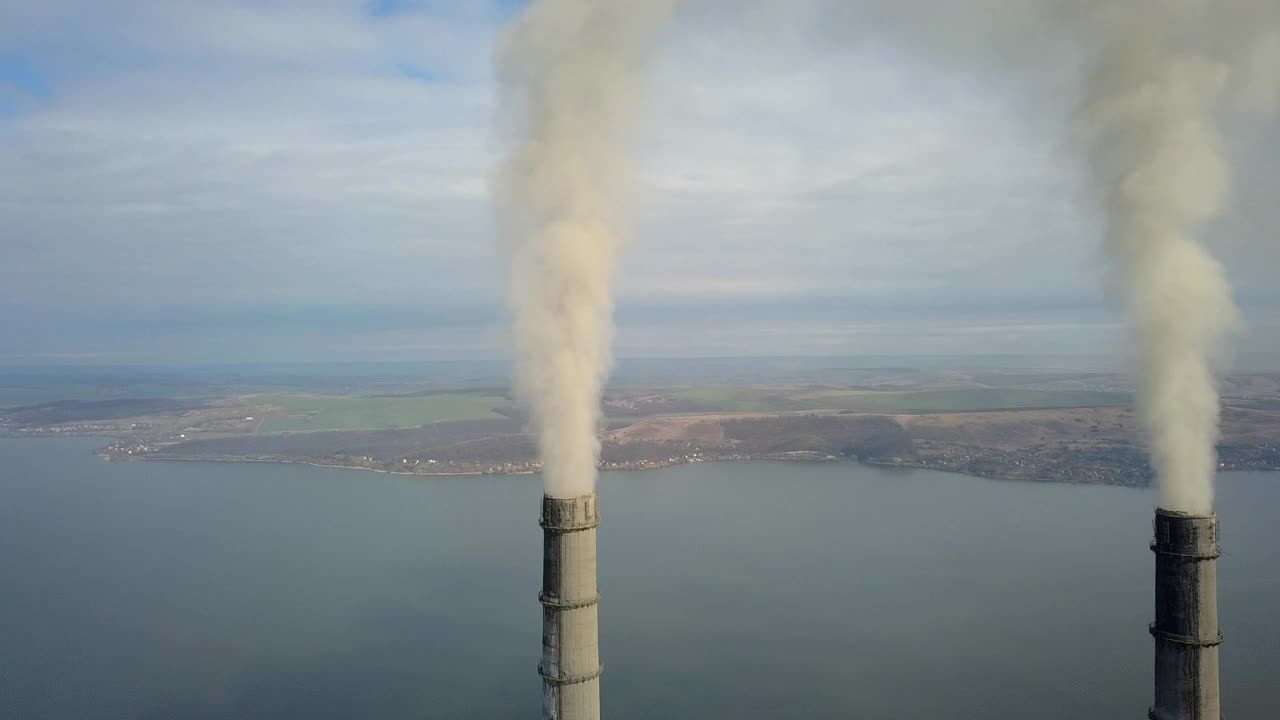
(1162, 72)
(571, 80)
(1159, 75)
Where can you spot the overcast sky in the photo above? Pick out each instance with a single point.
(307, 179)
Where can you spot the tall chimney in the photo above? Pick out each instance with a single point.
(570, 665)
(1186, 627)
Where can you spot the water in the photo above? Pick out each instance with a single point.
(201, 591)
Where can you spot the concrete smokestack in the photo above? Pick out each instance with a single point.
(570, 665)
(1186, 627)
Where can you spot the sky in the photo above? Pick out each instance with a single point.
(218, 180)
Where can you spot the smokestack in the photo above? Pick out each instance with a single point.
(570, 667)
(1186, 626)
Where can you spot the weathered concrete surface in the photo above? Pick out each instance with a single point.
(570, 665)
(1186, 627)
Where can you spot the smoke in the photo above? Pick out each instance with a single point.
(1158, 77)
(1161, 73)
(571, 80)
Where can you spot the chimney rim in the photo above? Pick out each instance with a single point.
(1186, 515)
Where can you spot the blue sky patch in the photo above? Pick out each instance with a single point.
(387, 8)
(420, 73)
(390, 8)
(18, 72)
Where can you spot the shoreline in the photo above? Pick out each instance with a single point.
(175, 458)
(655, 466)
(662, 465)
(524, 468)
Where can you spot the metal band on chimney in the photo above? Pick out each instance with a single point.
(571, 679)
(563, 529)
(1159, 549)
(1183, 639)
(574, 605)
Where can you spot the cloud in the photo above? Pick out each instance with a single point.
(240, 159)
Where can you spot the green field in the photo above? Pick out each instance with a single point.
(730, 399)
(733, 399)
(311, 412)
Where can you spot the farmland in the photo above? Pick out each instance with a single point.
(731, 399)
(309, 413)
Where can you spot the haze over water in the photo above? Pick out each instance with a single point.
(167, 590)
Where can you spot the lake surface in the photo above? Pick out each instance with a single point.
(756, 590)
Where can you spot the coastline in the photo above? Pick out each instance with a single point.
(654, 465)
(795, 456)
(646, 465)
(176, 458)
